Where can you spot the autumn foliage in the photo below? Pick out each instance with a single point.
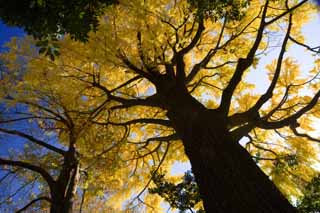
(163, 81)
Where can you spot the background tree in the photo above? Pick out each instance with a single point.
(47, 18)
(58, 159)
(184, 196)
(164, 71)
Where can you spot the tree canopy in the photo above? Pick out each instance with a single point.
(172, 84)
(43, 18)
(51, 159)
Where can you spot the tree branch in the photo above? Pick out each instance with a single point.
(33, 140)
(242, 65)
(46, 176)
(286, 12)
(125, 83)
(178, 57)
(196, 68)
(268, 94)
(136, 121)
(126, 103)
(304, 135)
(134, 68)
(32, 202)
(195, 39)
(313, 49)
(291, 119)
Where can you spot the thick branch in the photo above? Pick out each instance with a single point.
(160, 139)
(252, 114)
(242, 131)
(125, 83)
(151, 101)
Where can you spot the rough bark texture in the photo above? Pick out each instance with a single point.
(228, 178)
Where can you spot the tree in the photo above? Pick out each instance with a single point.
(164, 72)
(55, 161)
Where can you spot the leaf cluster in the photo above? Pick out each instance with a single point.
(311, 200)
(183, 196)
(43, 18)
(215, 9)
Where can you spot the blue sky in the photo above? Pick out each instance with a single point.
(311, 31)
(7, 32)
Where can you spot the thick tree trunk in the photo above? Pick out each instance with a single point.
(229, 180)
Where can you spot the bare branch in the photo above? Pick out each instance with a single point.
(291, 119)
(304, 135)
(141, 120)
(46, 176)
(33, 202)
(178, 57)
(33, 140)
(242, 65)
(153, 173)
(27, 118)
(209, 55)
(134, 68)
(126, 103)
(194, 40)
(268, 94)
(289, 10)
(313, 49)
(45, 109)
(126, 83)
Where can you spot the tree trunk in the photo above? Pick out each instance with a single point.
(61, 205)
(228, 179)
(63, 194)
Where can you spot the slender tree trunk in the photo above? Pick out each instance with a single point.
(61, 205)
(228, 178)
(66, 185)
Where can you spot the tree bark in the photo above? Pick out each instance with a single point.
(63, 194)
(228, 179)
(61, 206)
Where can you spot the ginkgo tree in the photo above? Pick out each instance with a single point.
(58, 160)
(172, 75)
